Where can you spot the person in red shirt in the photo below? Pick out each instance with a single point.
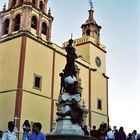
(94, 132)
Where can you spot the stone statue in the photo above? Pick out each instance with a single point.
(71, 56)
(69, 110)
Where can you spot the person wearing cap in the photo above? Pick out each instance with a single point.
(10, 134)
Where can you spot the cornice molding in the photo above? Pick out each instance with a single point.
(92, 44)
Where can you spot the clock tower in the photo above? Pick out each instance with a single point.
(93, 52)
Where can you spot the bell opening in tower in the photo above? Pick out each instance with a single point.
(88, 32)
(41, 5)
(17, 23)
(6, 26)
(34, 22)
(44, 28)
(34, 2)
(14, 3)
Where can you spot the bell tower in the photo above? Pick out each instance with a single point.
(40, 4)
(25, 39)
(91, 28)
(93, 52)
(27, 15)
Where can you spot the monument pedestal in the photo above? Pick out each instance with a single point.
(65, 126)
(69, 110)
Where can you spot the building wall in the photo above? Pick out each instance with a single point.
(84, 75)
(40, 104)
(9, 68)
(36, 103)
(98, 119)
(96, 87)
(98, 91)
(36, 62)
(59, 66)
(84, 51)
(7, 108)
(97, 52)
(36, 109)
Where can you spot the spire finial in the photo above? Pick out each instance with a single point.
(71, 35)
(49, 11)
(91, 4)
(4, 7)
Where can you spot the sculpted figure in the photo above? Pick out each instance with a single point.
(70, 95)
(71, 56)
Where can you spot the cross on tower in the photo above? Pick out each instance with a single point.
(91, 4)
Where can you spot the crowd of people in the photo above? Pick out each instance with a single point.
(33, 132)
(29, 132)
(106, 133)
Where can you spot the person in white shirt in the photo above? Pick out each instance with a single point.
(134, 135)
(110, 135)
(10, 134)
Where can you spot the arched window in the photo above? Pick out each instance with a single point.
(88, 32)
(44, 28)
(41, 5)
(17, 23)
(34, 2)
(34, 22)
(6, 26)
(14, 3)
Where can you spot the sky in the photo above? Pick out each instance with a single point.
(120, 21)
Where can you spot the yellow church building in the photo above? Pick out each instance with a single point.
(30, 65)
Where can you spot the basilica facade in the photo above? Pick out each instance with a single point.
(30, 64)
